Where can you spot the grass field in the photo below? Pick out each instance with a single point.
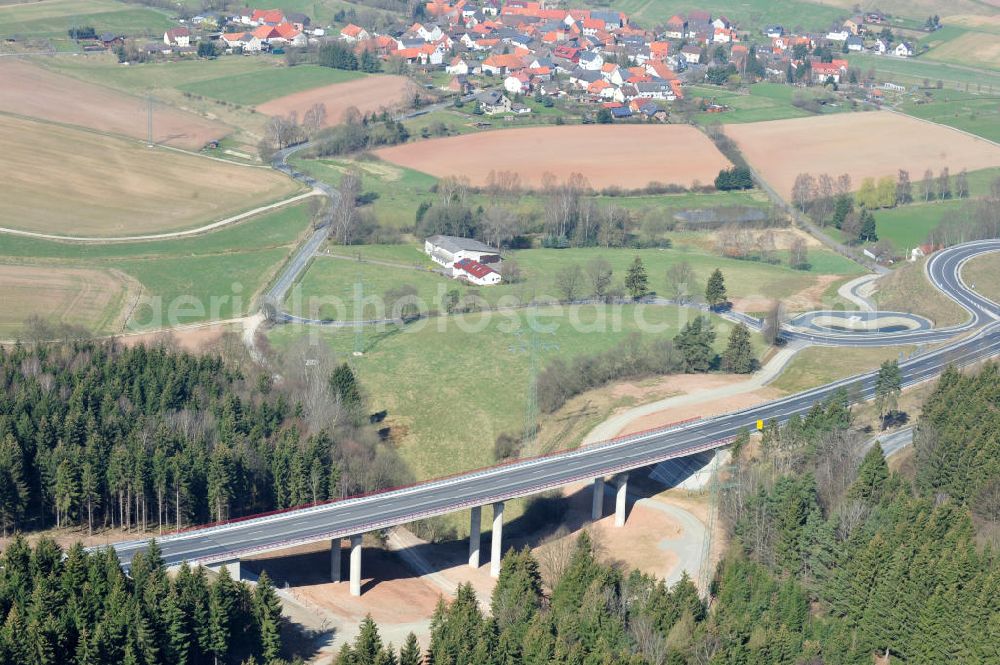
(449, 393)
(197, 268)
(263, 85)
(328, 290)
(52, 19)
(70, 182)
(818, 365)
(906, 289)
(974, 112)
(752, 13)
(984, 273)
(766, 101)
(908, 226)
(917, 70)
(161, 75)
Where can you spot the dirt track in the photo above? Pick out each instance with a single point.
(368, 94)
(628, 156)
(36, 92)
(861, 144)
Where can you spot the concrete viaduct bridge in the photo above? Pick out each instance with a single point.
(224, 544)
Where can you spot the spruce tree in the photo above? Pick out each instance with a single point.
(715, 289)
(368, 643)
(738, 357)
(636, 280)
(695, 342)
(267, 611)
(871, 477)
(410, 653)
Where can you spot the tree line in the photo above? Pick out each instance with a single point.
(105, 436)
(830, 202)
(78, 608)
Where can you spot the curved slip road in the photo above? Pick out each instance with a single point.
(389, 508)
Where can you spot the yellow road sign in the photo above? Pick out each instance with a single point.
(760, 425)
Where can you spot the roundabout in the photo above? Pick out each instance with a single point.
(854, 322)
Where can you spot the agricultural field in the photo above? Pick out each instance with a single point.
(973, 112)
(368, 94)
(335, 287)
(51, 19)
(39, 93)
(629, 156)
(959, 50)
(446, 421)
(232, 263)
(984, 273)
(70, 182)
(399, 191)
(90, 298)
(263, 85)
(783, 149)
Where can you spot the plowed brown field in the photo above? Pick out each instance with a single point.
(629, 156)
(860, 144)
(371, 93)
(38, 93)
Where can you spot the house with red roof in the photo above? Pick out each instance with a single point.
(676, 27)
(180, 36)
(267, 17)
(824, 71)
(245, 41)
(501, 64)
(354, 33)
(475, 272)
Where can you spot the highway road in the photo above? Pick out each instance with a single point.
(390, 508)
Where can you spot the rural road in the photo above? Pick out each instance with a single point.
(389, 508)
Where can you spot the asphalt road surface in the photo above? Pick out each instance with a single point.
(389, 508)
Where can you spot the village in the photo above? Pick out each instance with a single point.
(504, 53)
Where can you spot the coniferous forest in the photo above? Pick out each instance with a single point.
(833, 559)
(103, 436)
(82, 609)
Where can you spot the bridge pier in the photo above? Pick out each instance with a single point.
(356, 565)
(597, 507)
(475, 521)
(335, 575)
(620, 500)
(496, 540)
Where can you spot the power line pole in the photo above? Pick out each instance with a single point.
(715, 487)
(358, 293)
(532, 345)
(149, 120)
